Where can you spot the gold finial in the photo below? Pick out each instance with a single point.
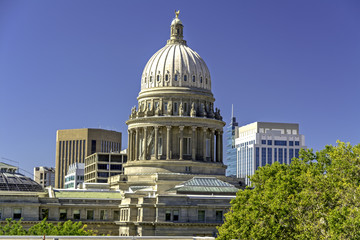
(177, 13)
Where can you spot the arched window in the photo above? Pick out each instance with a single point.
(206, 81)
(185, 78)
(145, 80)
(158, 78)
(151, 79)
(166, 77)
(176, 77)
(200, 79)
(194, 78)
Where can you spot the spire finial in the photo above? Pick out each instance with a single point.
(177, 13)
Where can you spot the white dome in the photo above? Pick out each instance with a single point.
(176, 65)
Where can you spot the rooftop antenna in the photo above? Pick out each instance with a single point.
(232, 111)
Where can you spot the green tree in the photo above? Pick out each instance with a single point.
(68, 228)
(315, 197)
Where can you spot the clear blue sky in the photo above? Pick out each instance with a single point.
(77, 64)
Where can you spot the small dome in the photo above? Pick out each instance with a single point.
(18, 182)
(176, 21)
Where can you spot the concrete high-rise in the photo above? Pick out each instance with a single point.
(262, 143)
(73, 145)
(45, 176)
(230, 145)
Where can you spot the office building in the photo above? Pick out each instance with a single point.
(100, 166)
(75, 175)
(74, 145)
(262, 143)
(45, 176)
(231, 134)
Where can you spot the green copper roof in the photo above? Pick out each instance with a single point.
(87, 194)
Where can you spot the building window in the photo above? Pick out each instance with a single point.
(275, 155)
(269, 155)
(297, 143)
(263, 156)
(44, 213)
(200, 79)
(63, 214)
(279, 143)
(187, 146)
(280, 155)
(185, 78)
(285, 155)
(168, 215)
(166, 77)
(76, 214)
(297, 153)
(263, 141)
(219, 216)
(206, 81)
(176, 215)
(193, 78)
(103, 214)
(269, 142)
(90, 214)
(176, 77)
(93, 146)
(291, 155)
(175, 108)
(257, 157)
(116, 215)
(188, 169)
(201, 215)
(151, 79)
(291, 143)
(17, 213)
(158, 78)
(144, 80)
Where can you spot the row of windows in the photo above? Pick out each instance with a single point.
(176, 78)
(174, 216)
(280, 155)
(72, 178)
(280, 143)
(90, 213)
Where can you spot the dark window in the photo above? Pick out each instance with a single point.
(281, 155)
(63, 214)
(103, 174)
(269, 142)
(263, 156)
(263, 141)
(17, 213)
(269, 155)
(116, 215)
(297, 153)
(275, 154)
(115, 167)
(151, 79)
(176, 78)
(285, 155)
(291, 143)
(76, 214)
(193, 78)
(185, 78)
(103, 214)
(168, 215)
(279, 143)
(291, 155)
(206, 81)
(200, 79)
(93, 146)
(158, 78)
(90, 214)
(257, 157)
(103, 166)
(176, 215)
(297, 143)
(219, 216)
(166, 77)
(201, 215)
(44, 213)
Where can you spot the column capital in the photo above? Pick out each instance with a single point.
(205, 129)
(168, 127)
(181, 128)
(193, 128)
(212, 130)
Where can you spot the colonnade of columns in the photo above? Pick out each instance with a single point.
(206, 143)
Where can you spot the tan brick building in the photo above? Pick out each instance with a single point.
(74, 145)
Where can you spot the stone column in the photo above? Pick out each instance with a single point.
(156, 128)
(193, 144)
(204, 143)
(168, 128)
(145, 143)
(221, 146)
(129, 144)
(137, 144)
(181, 131)
(212, 145)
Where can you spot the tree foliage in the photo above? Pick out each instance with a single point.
(68, 228)
(315, 197)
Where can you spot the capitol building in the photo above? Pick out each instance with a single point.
(174, 181)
